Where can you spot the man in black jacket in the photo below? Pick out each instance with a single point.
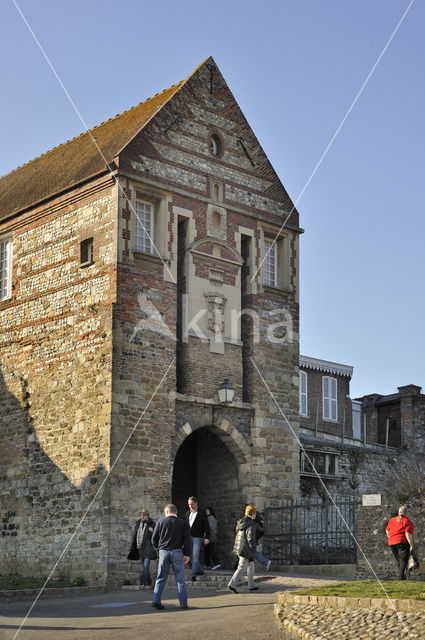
(141, 546)
(172, 540)
(199, 532)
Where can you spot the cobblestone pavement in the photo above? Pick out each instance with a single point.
(314, 622)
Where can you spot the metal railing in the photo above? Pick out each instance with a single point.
(311, 532)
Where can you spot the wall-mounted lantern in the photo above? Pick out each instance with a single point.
(226, 392)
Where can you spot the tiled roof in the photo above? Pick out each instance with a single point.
(78, 159)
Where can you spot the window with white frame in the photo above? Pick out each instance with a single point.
(329, 398)
(270, 263)
(145, 227)
(5, 268)
(303, 394)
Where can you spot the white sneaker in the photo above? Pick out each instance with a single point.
(268, 565)
(217, 566)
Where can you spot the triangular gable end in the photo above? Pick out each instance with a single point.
(204, 105)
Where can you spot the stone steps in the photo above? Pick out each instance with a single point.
(214, 580)
(210, 580)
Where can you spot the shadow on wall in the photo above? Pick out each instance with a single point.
(40, 508)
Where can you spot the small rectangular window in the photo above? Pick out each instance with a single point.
(329, 398)
(357, 420)
(86, 252)
(303, 394)
(5, 268)
(270, 263)
(318, 463)
(144, 227)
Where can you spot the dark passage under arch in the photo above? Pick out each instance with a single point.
(205, 467)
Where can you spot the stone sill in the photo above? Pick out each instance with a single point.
(281, 291)
(326, 476)
(5, 301)
(150, 257)
(8, 595)
(351, 603)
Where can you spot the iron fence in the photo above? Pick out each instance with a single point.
(311, 532)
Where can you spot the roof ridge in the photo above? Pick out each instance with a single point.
(87, 131)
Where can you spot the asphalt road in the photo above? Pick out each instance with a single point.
(126, 615)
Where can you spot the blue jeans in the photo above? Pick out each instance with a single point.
(166, 559)
(261, 558)
(194, 558)
(145, 576)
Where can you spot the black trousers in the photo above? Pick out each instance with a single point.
(401, 552)
(210, 555)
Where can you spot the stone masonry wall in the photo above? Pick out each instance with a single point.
(360, 469)
(55, 385)
(143, 414)
(377, 558)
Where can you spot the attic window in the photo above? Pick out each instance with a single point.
(216, 146)
(86, 252)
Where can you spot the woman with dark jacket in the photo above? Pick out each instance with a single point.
(141, 546)
(210, 553)
(244, 548)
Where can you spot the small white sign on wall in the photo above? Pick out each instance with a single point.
(371, 500)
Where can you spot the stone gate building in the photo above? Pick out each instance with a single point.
(126, 257)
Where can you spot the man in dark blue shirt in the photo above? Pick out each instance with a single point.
(171, 538)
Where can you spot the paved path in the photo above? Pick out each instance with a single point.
(213, 615)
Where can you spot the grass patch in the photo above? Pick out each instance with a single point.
(13, 582)
(402, 589)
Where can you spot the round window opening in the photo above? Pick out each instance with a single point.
(215, 145)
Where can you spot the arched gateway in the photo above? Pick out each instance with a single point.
(209, 464)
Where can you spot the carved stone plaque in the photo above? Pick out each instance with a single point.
(216, 302)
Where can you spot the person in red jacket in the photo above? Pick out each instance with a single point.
(400, 539)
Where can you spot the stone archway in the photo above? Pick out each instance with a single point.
(205, 466)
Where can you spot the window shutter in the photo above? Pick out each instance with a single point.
(303, 394)
(329, 397)
(325, 398)
(334, 407)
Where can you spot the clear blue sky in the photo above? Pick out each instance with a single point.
(295, 68)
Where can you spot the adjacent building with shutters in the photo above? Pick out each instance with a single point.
(354, 446)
